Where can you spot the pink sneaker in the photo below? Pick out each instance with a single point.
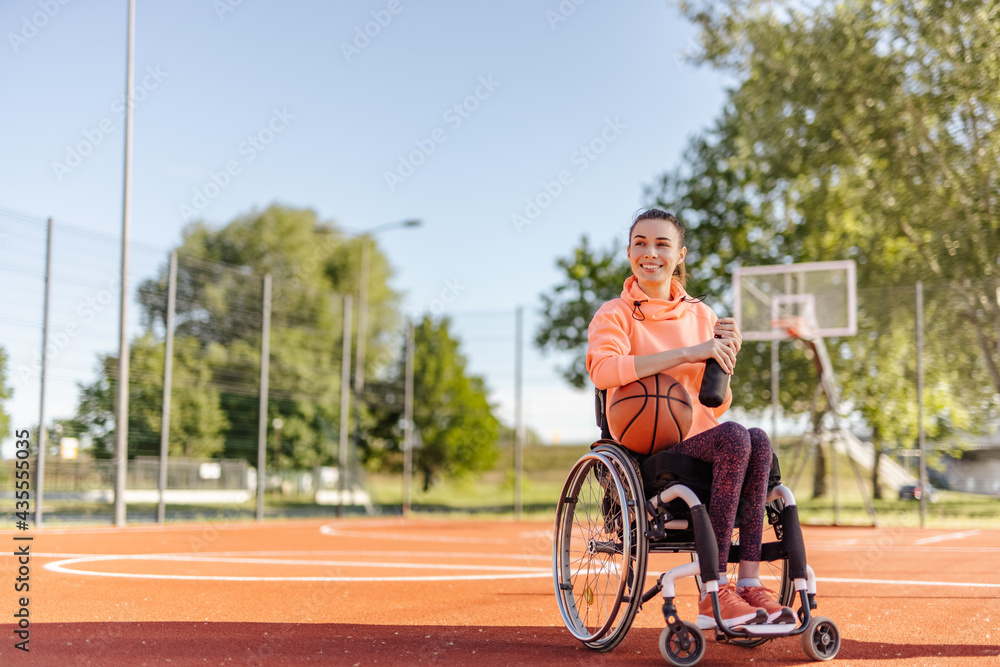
(759, 596)
(733, 609)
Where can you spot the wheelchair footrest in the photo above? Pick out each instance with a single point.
(764, 630)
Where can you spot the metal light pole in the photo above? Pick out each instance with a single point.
(345, 398)
(408, 419)
(265, 367)
(121, 412)
(366, 241)
(40, 468)
(168, 364)
(359, 363)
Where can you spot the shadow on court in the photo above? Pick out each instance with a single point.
(207, 643)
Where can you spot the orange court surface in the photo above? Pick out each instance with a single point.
(451, 592)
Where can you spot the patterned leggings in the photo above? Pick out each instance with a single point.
(741, 462)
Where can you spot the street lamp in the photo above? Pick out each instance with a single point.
(359, 365)
(366, 237)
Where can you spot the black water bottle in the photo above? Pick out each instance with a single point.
(713, 384)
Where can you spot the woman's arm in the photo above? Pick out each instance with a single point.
(722, 350)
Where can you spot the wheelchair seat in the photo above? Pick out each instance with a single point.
(666, 468)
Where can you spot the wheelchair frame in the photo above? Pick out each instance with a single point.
(606, 527)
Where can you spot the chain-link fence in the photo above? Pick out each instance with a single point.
(217, 362)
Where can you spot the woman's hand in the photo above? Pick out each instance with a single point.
(724, 347)
(722, 350)
(727, 329)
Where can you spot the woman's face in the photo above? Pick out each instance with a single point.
(654, 251)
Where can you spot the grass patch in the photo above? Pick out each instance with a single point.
(491, 495)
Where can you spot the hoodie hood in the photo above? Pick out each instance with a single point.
(654, 309)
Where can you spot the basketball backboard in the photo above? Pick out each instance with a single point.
(822, 295)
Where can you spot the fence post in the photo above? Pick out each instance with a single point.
(775, 403)
(265, 359)
(168, 365)
(408, 420)
(920, 403)
(359, 360)
(40, 467)
(345, 406)
(518, 417)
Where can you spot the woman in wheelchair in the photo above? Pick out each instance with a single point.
(655, 327)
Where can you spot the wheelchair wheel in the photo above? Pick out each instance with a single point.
(682, 651)
(599, 548)
(773, 574)
(821, 640)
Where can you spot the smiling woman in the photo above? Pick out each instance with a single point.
(656, 252)
(655, 327)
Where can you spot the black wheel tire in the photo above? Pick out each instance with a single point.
(821, 640)
(599, 548)
(682, 653)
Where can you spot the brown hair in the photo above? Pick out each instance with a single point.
(658, 214)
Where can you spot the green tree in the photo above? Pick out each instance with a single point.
(867, 130)
(218, 325)
(860, 130)
(452, 416)
(197, 421)
(6, 392)
(864, 130)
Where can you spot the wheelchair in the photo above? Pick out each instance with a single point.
(616, 508)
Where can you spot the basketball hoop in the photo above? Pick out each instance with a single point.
(795, 327)
(824, 294)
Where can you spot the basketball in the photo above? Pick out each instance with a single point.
(650, 414)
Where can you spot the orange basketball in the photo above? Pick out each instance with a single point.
(650, 414)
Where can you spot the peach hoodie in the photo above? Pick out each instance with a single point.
(616, 338)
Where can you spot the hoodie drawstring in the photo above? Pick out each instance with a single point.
(636, 308)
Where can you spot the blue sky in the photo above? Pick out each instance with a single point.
(509, 128)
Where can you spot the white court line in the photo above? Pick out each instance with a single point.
(895, 582)
(328, 529)
(905, 547)
(215, 524)
(401, 554)
(174, 558)
(949, 536)
(547, 534)
(511, 572)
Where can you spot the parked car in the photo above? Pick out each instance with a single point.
(913, 492)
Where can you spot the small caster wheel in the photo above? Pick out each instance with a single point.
(682, 651)
(821, 640)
